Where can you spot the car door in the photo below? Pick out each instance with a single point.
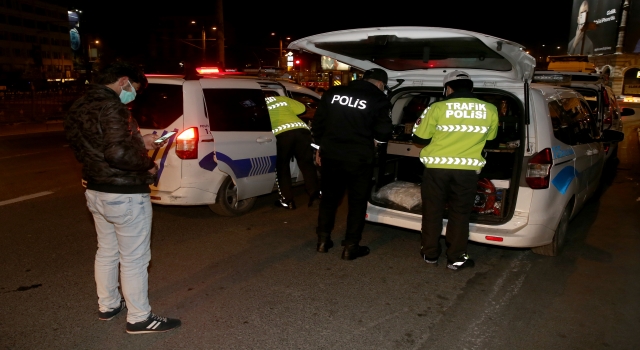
(597, 153)
(245, 147)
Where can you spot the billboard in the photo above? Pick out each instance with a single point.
(74, 35)
(632, 31)
(601, 18)
(328, 63)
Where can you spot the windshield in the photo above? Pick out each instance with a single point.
(398, 54)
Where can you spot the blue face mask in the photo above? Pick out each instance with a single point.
(127, 96)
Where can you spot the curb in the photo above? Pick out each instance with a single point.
(30, 128)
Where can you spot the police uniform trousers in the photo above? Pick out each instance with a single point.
(295, 143)
(338, 176)
(456, 190)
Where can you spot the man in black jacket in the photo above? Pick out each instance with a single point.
(347, 124)
(118, 171)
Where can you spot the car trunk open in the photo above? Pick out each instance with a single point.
(399, 171)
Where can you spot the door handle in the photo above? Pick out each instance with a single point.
(263, 139)
(589, 152)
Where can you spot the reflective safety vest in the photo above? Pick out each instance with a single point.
(458, 129)
(283, 112)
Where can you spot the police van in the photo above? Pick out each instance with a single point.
(223, 153)
(545, 162)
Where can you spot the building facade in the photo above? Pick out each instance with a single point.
(34, 41)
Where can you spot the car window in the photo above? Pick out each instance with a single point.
(572, 121)
(591, 96)
(309, 101)
(158, 106)
(270, 93)
(237, 110)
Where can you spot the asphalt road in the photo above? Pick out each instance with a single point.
(256, 282)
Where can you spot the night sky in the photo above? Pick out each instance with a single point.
(121, 25)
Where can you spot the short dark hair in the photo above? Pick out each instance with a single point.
(460, 85)
(112, 72)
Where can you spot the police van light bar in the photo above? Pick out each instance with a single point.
(552, 78)
(207, 70)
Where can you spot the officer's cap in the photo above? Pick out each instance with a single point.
(377, 74)
(455, 75)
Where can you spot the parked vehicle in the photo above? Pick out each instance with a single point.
(544, 164)
(224, 152)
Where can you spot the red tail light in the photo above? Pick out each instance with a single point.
(207, 70)
(187, 144)
(539, 168)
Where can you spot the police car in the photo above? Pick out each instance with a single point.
(547, 158)
(223, 153)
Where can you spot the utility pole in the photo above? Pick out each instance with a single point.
(204, 45)
(220, 34)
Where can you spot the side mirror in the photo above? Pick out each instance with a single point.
(627, 112)
(612, 136)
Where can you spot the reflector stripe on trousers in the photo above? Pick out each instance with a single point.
(452, 160)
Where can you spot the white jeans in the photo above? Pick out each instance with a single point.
(123, 224)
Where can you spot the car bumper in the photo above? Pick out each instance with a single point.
(183, 196)
(517, 232)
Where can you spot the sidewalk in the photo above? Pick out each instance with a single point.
(30, 128)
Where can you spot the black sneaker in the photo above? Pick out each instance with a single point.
(433, 262)
(106, 316)
(153, 324)
(462, 262)
(286, 205)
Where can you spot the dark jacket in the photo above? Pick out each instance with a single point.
(107, 141)
(349, 118)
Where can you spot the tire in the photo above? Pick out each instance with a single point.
(555, 247)
(227, 203)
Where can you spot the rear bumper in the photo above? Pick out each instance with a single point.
(183, 196)
(517, 232)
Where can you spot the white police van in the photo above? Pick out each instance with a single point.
(544, 164)
(223, 153)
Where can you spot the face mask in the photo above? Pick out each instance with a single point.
(127, 96)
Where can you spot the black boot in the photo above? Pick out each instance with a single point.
(315, 195)
(324, 244)
(354, 251)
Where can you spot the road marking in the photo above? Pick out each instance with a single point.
(24, 198)
(27, 154)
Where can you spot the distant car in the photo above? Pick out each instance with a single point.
(599, 96)
(224, 152)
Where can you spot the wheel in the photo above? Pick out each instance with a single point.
(555, 247)
(227, 203)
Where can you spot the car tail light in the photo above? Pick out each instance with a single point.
(538, 169)
(493, 238)
(187, 144)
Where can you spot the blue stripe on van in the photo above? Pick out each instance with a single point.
(241, 167)
(563, 179)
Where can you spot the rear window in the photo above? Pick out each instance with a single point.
(309, 101)
(158, 106)
(237, 110)
(394, 53)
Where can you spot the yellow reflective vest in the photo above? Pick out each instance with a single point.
(458, 129)
(283, 112)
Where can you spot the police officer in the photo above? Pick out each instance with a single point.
(455, 131)
(346, 123)
(293, 139)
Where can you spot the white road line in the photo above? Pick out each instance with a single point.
(24, 198)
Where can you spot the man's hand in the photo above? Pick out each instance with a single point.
(149, 144)
(318, 158)
(154, 170)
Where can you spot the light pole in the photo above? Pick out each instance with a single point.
(280, 47)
